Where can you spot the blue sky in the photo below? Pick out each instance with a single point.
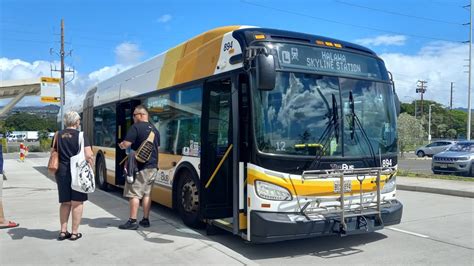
(418, 39)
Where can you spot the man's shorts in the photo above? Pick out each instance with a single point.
(142, 185)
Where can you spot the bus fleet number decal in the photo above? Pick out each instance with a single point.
(280, 146)
(228, 45)
(386, 162)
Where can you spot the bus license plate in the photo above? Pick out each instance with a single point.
(347, 186)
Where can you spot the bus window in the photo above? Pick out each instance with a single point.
(105, 126)
(177, 116)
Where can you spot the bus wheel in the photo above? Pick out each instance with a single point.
(188, 199)
(101, 174)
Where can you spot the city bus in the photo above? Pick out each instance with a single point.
(272, 135)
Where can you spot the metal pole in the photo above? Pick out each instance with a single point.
(63, 93)
(469, 82)
(451, 98)
(429, 125)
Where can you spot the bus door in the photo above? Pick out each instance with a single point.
(216, 183)
(124, 121)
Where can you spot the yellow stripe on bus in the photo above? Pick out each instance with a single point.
(194, 59)
(169, 66)
(162, 196)
(320, 187)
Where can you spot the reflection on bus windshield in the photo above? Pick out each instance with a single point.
(292, 118)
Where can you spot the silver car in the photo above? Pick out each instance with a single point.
(457, 159)
(434, 148)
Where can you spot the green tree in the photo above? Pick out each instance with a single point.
(29, 122)
(410, 132)
(451, 133)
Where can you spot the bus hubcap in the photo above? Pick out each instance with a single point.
(190, 197)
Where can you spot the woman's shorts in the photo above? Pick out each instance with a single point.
(63, 180)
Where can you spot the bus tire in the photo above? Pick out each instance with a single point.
(188, 199)
(101, 174)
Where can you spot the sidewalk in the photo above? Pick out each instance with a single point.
(438, 186)
(31, 199)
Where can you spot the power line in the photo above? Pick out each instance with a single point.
(347, 24)
(397, 13)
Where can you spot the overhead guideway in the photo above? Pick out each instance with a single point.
(17, 89)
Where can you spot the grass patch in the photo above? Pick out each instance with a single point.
(406, 173)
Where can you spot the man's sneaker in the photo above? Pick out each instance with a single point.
(129, 225)
(144, 222)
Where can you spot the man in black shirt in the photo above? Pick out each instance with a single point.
(141, 188)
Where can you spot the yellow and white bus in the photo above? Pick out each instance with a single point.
(271, 134)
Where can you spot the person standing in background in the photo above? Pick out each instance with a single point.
(3, 223)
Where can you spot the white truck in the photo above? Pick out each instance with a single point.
(18, 136)
(31, 136)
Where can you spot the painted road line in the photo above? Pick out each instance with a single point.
(407, 232)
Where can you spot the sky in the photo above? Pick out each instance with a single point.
(417, 39)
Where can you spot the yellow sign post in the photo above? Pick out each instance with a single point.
(50, 90)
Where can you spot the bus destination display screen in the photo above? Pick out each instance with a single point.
(293, 56)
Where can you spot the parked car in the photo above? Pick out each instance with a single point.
(16, 138)
(434, 148)
(459, 159)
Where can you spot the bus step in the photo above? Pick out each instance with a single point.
(213, 226)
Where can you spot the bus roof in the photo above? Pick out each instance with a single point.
(283, 35)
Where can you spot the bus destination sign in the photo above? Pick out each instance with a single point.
(328, 60)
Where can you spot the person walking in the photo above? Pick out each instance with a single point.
(71, 201)
(141, 188)
(4, 224)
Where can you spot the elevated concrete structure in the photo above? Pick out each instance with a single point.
(17, 89)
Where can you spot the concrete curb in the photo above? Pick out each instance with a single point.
(450, 192)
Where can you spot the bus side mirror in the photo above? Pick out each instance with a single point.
(266, 73)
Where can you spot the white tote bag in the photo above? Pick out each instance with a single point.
(82, 175)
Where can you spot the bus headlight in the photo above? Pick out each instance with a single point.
(389, 186)
(272, 192)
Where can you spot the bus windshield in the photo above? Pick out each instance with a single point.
(291, 119)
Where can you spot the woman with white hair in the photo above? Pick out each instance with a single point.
(67, 145)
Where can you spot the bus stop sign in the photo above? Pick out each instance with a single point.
(50, 90)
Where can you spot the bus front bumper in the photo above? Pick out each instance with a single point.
(271, 227)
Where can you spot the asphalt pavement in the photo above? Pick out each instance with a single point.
(30, 197)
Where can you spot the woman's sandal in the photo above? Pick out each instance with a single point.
(64, 235)
(75, 237)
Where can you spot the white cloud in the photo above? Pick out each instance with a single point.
(16, 69)
(128, 53)
(397, 40)
(164, 18)
(439, 63)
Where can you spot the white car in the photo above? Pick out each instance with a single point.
(434, 148)
(15, 138)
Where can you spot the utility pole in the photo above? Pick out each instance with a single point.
(469, 71)
(421, 88)
(63, 92)
(451, 98)
(62, 54)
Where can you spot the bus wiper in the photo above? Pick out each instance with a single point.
(335, 118)
(352, 118)
(355, 121)
(332, 126)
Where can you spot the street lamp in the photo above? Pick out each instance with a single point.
(429, 124)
